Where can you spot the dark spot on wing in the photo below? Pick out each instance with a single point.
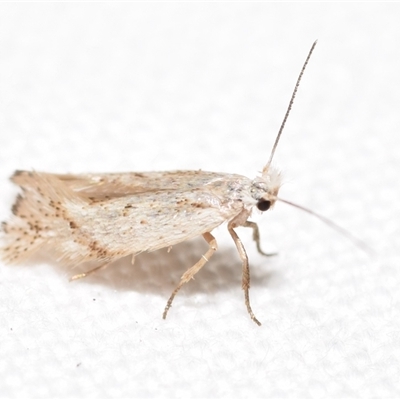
(16, 205)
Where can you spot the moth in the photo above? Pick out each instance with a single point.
(103, 217)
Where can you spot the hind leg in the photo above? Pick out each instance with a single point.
(191, 272)
(85, 274)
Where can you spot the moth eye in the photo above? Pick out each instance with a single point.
(263, 205)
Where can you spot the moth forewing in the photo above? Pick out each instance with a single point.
(80, 226)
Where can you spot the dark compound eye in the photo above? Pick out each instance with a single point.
(263, 205)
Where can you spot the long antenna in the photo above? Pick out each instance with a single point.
(359, 243)
(265, 169)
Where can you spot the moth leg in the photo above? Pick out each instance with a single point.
(256, 237)
(85, 274)
(245, 271)
(191, 272)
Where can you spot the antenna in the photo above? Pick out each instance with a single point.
(359, 243)
(265, 169)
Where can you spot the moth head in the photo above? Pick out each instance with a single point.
(266, 188)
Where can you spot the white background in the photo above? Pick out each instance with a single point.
(141, 87)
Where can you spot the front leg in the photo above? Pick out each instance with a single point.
(256, 237)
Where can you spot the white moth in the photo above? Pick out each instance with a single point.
(103, 217)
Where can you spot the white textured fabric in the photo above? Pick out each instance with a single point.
(136, 87)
